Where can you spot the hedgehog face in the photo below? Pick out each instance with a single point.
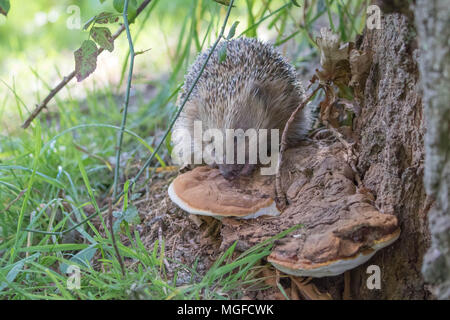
(232, 171)
(242, 161)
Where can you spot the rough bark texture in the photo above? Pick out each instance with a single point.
(339, 221)
(390, 131)
(433, 26)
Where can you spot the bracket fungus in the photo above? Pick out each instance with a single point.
(328, 255)
(341, 227)
(204, 191)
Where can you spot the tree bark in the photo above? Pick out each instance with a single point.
(433, 26)
(390, 145)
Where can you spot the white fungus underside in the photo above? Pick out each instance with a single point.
(266, 211)
(337, 267)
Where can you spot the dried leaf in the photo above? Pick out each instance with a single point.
(269, 276)
(85, 60)
(350, 105)
(309, 290)
(103, 37)
(359, 64)
(333, 56)
(106, 17)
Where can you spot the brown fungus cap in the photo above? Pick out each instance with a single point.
(327, 255)
(205, 191)
(341, 227)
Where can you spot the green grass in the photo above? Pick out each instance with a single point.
(46, 182)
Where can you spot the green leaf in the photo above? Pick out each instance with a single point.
(81, 258)
(135, 196)
(232, 31)
(223, 53)
(85, 60)
(130, 215)
(102, 1)
(44, 177)
(132, 8)
(116, 225)
(54, 247)
(4, 7)
(103, 37)
(16, 269)
(132, 11)
(106, 17)
(118, 5)
(295, 3)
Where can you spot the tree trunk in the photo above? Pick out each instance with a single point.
(433, 26)
(391, 154)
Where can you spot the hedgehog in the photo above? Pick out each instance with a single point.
(252, 87)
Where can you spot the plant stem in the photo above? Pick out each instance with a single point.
(113, 238)
(127, 100)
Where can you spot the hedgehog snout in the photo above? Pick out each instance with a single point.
(232, 171)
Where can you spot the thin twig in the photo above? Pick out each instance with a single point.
(281, 200)
(127, 100)
(20, 195)
(113, 238)
(69, 77)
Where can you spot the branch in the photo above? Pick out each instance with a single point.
(68, 78)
